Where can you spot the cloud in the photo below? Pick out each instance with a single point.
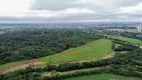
(22, 10)
(13, 6)
(132, 9)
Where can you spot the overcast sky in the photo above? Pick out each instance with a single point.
(70, 10)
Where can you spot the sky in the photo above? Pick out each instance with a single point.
(70, 10)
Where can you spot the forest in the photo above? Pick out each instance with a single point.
(30, 43)
(33, 43)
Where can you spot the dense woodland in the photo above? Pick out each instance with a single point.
(29, 43)
(34, 43)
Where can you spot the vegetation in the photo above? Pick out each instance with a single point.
(125, 36)
(103, 77)
(8, 64)
(130, 40)
(77, 54)
(34, 43)
(91, 50)
(80, 54)
(126, 64)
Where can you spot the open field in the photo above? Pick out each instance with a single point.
(130, 40)
(89, 51)
(103, 77)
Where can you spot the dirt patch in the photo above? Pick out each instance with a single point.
(21, 65)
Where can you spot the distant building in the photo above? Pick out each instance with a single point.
(139, 28)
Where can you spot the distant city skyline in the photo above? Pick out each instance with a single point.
(139, 28)
(70, 11)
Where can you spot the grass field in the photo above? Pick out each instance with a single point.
(131, 40)
(92, 50)
(103, 77)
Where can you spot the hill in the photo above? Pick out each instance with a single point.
(90, 51)
(95, 50)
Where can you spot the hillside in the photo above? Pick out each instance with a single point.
(90, 51)
(95, 57)
(87, 52)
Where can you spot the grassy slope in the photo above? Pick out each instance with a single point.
(94, 49)
(89, 50)
(103, 77)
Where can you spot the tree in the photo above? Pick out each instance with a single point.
(113, 46)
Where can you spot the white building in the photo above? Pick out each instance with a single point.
(139, 28)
